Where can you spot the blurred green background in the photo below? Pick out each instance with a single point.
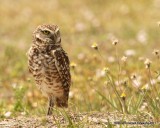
(83, 22)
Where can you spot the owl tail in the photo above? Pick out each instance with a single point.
(62, 102)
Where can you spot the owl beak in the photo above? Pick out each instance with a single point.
(56, 30)
(38, 38)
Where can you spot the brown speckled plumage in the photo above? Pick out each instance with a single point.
(49, 64)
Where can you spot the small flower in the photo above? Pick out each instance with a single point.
(23, 113)
(14, 85)
(153, 81)
(136, 79)
(147, 62)
(111, 59)
(156, 52)
(157, 98)
(141, 58)
(8, 114)
(142, 36)
(80, 27)
(133, 77)
(81, 56)
(100, 73)
(29, 94)
(73, 65)
(124, 59)
(124, 82)
(115, 42)
(95, 46)
(144, 105)
(106, 70)
(130, 52)
(123, 96)
(145, 87)
(158, 23)
(34, 104)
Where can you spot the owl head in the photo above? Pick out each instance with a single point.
(47, 34)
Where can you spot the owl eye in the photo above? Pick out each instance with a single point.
(46, 32)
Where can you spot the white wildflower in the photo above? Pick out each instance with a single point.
(124, 59)
(130, 52)
(8, 114)
(147, 62)
(115, 42)
(142, 36)
(111, 59)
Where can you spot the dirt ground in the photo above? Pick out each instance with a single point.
(86, 120)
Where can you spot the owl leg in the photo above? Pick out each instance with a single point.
(50, 107)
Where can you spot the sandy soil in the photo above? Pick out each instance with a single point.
(84, 120)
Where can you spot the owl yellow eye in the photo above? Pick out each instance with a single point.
(46, 32)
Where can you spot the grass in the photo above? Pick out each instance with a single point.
(121, 77)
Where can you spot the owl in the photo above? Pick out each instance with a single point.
(49, 65)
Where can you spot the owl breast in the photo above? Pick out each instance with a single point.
(43, 68)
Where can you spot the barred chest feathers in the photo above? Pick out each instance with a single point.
(43, 68)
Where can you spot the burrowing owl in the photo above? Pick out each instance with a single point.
(49, 64)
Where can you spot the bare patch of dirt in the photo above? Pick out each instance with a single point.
(94, 119)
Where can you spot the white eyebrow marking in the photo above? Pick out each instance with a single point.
(56, 30)
(46, 29)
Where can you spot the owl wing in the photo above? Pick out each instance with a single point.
(29, 55)
(62, 65)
